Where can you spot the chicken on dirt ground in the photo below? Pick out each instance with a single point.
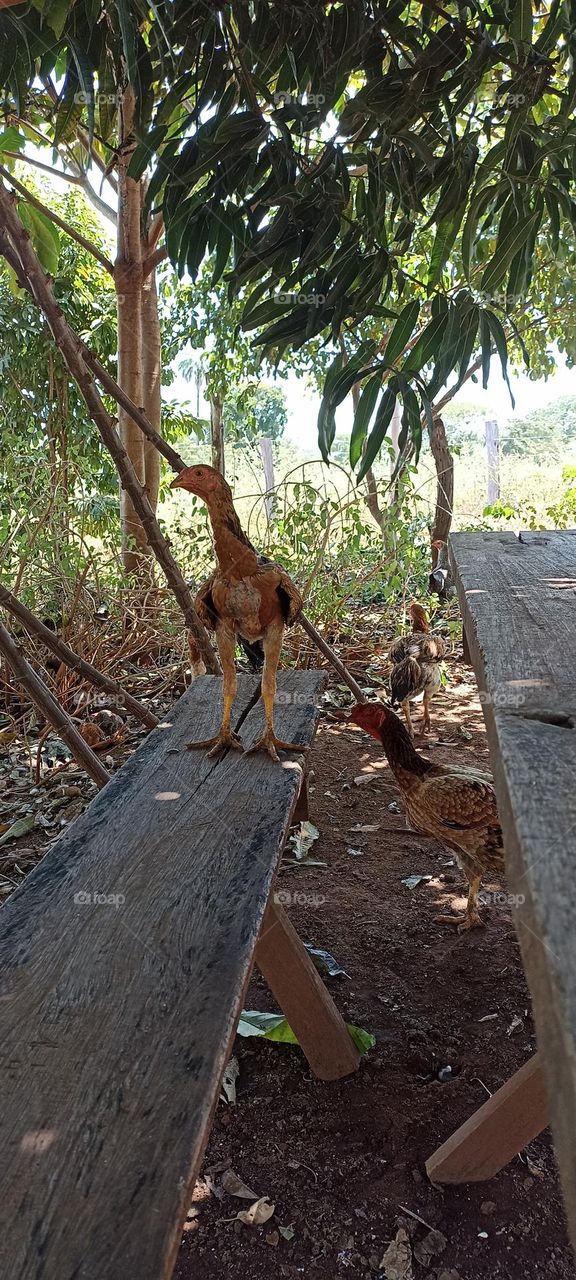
(455, 805)
(416, 662)
(246, 598)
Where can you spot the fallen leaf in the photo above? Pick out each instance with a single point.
(287, 1233)
(325, 962)
(304, 839)
(364, 778)
(412, 882)
(258, 1213)
(231, 1073)
(18, 828)
(366, 826)
(272, 1238)
(515, 1025)
(355, 853)
(535, 1169)
(235, 1186)
(397, 1261)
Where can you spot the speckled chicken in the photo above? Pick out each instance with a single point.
(246, 598)
(415, 662)
(455, 805)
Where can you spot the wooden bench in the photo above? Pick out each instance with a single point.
(125, 958)
(518, 602)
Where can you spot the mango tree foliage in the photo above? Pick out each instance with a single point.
(313, 149)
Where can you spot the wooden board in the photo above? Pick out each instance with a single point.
(496, 1132)
(124, 961)
(518, 600)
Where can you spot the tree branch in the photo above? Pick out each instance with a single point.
(49, 708)
(150, 263)
(58, 221)
(72, 660)
(16, 247)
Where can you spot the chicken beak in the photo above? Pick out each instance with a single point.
(177, 482)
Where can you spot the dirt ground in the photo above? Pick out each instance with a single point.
(343, 1163)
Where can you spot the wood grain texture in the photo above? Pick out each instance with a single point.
(116, 1017)
(301, 994)
(497, 1131)
(518, 600)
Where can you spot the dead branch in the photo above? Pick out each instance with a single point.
(72, 659)
(47, 705)
(16, 247)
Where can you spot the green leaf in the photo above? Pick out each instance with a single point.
(55, 14)
(521, 27)
(478, 205)
(128, 30)
(19, 828)
(501, 345)
(381, 423)
(512, 241)
(402, 331)
(273, 1026)
(44, 236)
(486, 348)
(444, 241)
(11, 139)
(362, 417)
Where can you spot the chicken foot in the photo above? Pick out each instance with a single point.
(470, 918)
(272, 642)
(226, 737)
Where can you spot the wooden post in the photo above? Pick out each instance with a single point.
(268, 464)
(493, 460)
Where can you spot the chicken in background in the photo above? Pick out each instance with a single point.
(416, 662)
(454, 805)
(247, 599)
(440, 581)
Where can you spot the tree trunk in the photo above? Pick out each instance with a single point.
(444, 464)
(151, 384)
(217, 433)
(129, 285)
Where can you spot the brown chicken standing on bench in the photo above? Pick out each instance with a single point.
(246, 597)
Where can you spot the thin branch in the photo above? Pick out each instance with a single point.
(72, 660)
(16, 247)
(58, 221)
(45, 168)
(150, 263)
(49, 708)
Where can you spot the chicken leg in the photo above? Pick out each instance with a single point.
(226, 641)
(272, 642)
(470, 918)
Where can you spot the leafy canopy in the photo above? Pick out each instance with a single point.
(345, 163)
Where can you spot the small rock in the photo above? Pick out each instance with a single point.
(487, 1208)
(449, 1275)
(417, 1176)
(435, 1242)
(272, 1238)
(528, 1183)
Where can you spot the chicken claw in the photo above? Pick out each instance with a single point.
(220, 742)
(464, 921)
(270, 743)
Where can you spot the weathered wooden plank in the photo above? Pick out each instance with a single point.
(496, 1132)
(518, 599)
(301, 994)
(124, 962)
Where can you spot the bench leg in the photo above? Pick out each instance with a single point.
(497, 1132)
(308, 1006)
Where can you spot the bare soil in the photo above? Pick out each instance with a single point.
(343, 1163)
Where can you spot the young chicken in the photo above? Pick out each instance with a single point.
(456, 806)
(415, 662)
(246, 598)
